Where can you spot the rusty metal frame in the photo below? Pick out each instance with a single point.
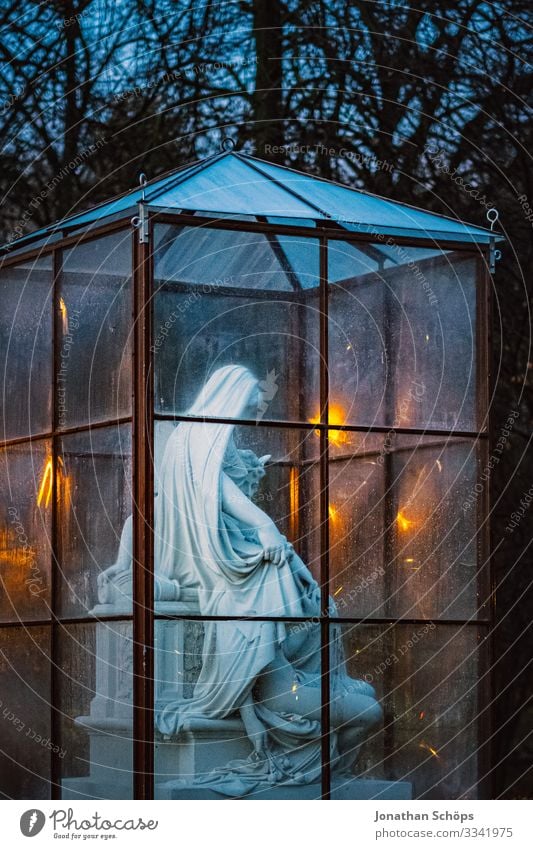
(143, 512)
(143, 418)
(325, 635)
(55, 713)
(329, 229)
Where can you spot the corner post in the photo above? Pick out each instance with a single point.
(143, 510)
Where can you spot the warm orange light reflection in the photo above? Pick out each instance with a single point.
(429, 749)
(45, 490)
(333, 512)
(64, 316)
(336, 416)
(403, 522)
(294, 502)
(13, 553)
(44, 496)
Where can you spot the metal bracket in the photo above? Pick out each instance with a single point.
(494, 253)
(140, 221)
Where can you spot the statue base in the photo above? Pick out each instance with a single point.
(341, 789)
(354, 789)
(201, 746)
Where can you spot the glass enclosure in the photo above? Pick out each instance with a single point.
(66, 472)
(244, 543)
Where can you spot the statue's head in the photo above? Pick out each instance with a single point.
(231, 392)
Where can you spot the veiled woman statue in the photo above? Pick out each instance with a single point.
(211, 537)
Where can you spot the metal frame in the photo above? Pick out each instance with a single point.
(143, 511)
(143, 418)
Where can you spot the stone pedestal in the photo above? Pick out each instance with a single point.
(341, 789)
(200, 746)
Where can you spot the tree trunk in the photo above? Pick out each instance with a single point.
(267, 101)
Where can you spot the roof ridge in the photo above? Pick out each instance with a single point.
(183, 174)
(364, 192)
(49, 229)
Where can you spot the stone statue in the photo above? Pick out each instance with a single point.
(212, 539)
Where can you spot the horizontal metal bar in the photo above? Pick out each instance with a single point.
(84, 428)
(329, 229)
(198, 617)
(333, 620)
(9, 258)
(407, 431)
(274, 423)
(65, 620)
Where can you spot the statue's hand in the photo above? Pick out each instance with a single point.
(276, 549)
(107, 580)
(110, 574)
(105, 577)
(256, 469)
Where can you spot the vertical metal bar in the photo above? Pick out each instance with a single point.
(485, 386)
(390, 634)
(324, 524)
(389, 514)
(143, 540)
(55, 711)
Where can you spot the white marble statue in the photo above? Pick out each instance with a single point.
(211, 538)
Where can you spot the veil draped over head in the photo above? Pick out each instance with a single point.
(197, 542)
(204, 548)
(189, 533)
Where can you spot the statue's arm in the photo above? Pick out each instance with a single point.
(238, 505)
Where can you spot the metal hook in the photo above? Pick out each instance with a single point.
(227, 144)
(497, 254)
(143, 179)
(492, 216)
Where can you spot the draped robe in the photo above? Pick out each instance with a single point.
(205, 548)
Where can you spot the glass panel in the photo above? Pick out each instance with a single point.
(25, 517)
(425, 679)
(230, 185)
(226, 494)
(95, 685)
(238, 709)
(362, 210)
(94, 522)
(242, 299)
(403, 543)
(25, 732)
(26, 348)
(94, 345)
(402, 336)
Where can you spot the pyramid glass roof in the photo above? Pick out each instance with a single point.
(234, 185)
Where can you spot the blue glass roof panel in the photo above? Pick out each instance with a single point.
(344, 204)
(231, 185)
(236, 185)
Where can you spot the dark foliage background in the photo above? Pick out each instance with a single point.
(93, 91)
